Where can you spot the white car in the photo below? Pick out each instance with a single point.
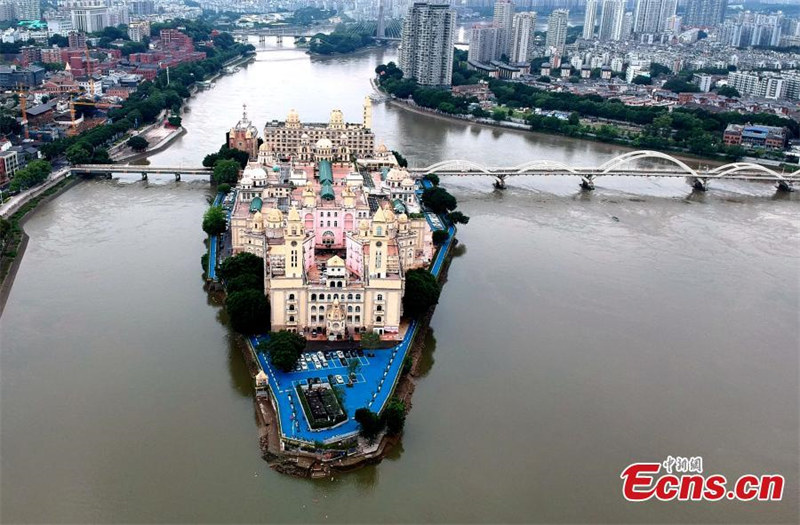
(340, 354)
(339, 380)
(304, 366)
(308, 358)
(321, 356)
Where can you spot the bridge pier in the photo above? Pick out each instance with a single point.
(262, 39)
(784, 186)
(698, 184)
(280, 39)
(587, 183)
(144, 175)
(177, 177)
(500, 182)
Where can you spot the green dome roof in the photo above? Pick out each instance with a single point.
(256, 205)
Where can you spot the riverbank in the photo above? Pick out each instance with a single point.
(11, 257)
(523, 130)
(162, 145)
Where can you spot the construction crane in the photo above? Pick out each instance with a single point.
(23, 104)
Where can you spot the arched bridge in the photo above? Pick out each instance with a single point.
(626, 165)
(106, 170)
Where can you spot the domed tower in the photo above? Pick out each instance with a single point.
(273, 224)
(244, 135)
(379, 238)
(293, 241)
(337, 119)
(293, 120)
(309, 196)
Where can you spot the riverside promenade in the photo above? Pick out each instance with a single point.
(377, 376)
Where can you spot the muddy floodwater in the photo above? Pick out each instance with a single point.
(577, 333)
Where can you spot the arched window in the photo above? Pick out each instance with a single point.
(313, 297)
(291, 318)
(329, 297)
(358, 308)
(335, 296)
(339, 284)
(333, 284)
(379, 298)
(358, 297)
(349, 297)
(379, 308)
(321, 309)
(313, 309)
(291, 297)
(349, 308)
(378, 319)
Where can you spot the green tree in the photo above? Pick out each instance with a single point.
(456, 217)
(245, 282)
(432, 178)
(138, 143)
(283, 349)
(370, 424)
(643, 80)
(499, 114)
(401, 160)
(439, 237)
(79, 153)
(248, 311)
(241, 264)
(422, 292)
(439, 200)
(370, 340)
(214, 222)
(175, 121)
(226, 171)
(394, 416)
(728, 91)
(224, 187)
(678, 85)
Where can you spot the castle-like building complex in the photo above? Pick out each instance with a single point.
(338, 225)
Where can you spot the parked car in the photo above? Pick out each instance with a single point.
(340, 354)
(339, 380)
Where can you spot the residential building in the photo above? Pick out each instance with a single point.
(705, 13)
(589, 19)
(611, 19)
(504, 20)
(522, 38)
(557, 29)
(28, 9)
(484, 44)
(334, 140)
(137, 31)
(336, 241)
(426, 51)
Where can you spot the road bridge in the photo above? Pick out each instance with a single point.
(626, 165)
(106, 170)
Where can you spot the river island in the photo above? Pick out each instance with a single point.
(331, 256)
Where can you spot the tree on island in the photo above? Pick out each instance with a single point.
(422, 292)
(214, 222)
(439, 237)
(283, 349)
(394, 416)
(245, 281)
(370, 424)
(226, 172)
(248, 311)
(439, 200)
(175, 121)
(432, 178)
(138, 143)
(241, 264)
(456, 217)
(370, 340)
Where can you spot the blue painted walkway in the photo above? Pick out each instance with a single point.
(212, 247)
(379, 374)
